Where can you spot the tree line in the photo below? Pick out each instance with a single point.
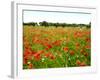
(48, 24)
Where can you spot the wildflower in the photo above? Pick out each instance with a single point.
(66, 49)
(72, 52)
(88, 39)
(50, 55)
(25, 61)
(78, 62)
(77, 44)
(57, 43)
(30, 66)
(37, 56)
(87, 46)
(48, 46)
(43, 59)
(85, 54)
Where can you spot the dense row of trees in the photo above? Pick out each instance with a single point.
(46, 24)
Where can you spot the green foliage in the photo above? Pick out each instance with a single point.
(55, 47)
(48, 24)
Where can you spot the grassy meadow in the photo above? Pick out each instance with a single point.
(56, 47)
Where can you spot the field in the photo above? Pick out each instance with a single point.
(56, 47)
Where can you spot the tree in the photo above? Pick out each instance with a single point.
(44, 23)
(89, 25)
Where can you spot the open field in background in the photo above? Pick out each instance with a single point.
(54, 47)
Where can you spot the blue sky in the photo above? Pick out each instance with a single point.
(38, 16)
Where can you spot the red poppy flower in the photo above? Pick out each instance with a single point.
(30, 66)
(25, 61)
(78, 62)
(77, 44)
(78, 34)
(88, 39)
(50, 55)
(48, 46)
(47, 55)
(57, 43)
(88, 33)
(87, 46)
(27, 51)
(27, 54)
(37, 56)
(66, 49)
(72, 52)
(85, 54)
(33, 52)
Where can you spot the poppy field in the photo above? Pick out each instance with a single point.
(56, 47)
